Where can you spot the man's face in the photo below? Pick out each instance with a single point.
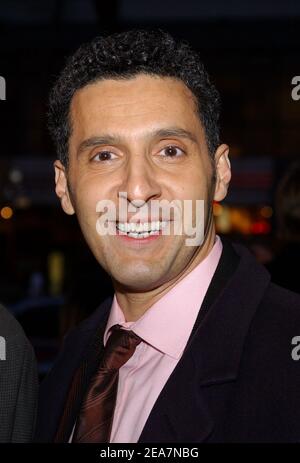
(141, 136)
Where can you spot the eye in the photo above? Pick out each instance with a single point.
(102, 156)
(172, 151)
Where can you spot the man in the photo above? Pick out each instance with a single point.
(208, 339)
(18, 382)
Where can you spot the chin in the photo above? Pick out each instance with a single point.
(138, 280)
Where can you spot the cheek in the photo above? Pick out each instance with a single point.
(194, 179)
(87, 195)
(193, 187)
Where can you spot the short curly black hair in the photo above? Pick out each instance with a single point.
(123, 56)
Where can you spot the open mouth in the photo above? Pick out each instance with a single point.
(140, 230)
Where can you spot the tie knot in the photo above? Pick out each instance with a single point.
(120, 346)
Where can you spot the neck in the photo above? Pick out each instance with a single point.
(135, 304)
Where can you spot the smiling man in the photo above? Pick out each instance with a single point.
(195, 345)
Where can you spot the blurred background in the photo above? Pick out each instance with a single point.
(49, 279)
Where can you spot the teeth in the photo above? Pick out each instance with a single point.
(146, 227)
(141, 230)
(140, 227)
(141, 235)
(133, 235)
(122, 227)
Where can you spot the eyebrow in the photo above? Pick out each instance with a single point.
(175, 132)
(107, 139)
(98, 140)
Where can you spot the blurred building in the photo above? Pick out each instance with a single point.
(251, 50)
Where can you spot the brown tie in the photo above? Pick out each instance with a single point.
(96, 414)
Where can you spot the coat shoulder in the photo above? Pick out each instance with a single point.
(9, 326)
(285, 304)
(12, 332)
(273, 331)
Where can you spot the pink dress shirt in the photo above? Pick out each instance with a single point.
(165, 329)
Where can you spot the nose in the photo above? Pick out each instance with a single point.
(140, 181)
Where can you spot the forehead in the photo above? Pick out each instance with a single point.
(131, 104)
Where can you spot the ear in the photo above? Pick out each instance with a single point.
(223, 172)
(61, 188)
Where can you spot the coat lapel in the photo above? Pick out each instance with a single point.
(62, 389)
(213, 353)
(79, 384)
(178, 408)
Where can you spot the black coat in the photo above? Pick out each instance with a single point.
(236, 380)
(18, 382)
